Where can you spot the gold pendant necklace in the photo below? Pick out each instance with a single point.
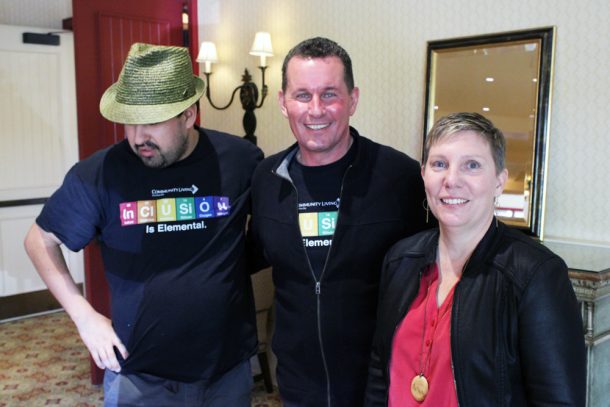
(419, 384)
(419, 387)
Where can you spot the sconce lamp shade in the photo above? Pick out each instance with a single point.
(207, 54)
(262, 46)
(248, 91)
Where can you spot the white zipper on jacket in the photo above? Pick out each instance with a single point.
(317, 282)
(318, 289)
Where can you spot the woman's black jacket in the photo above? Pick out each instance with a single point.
(516, 330)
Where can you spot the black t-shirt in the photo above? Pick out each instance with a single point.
(319, 190)
(172, 241)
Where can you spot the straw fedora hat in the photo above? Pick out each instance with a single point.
(155, 84)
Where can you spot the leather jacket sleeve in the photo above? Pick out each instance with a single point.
(553, 352)
(376, 388)
(377, 384)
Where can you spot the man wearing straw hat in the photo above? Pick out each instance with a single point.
(168, 205)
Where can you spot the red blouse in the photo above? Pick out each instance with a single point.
(422, 344)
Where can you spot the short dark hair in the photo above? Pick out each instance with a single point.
(320, 47)
(463, 121)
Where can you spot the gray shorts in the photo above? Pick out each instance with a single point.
(133, 389)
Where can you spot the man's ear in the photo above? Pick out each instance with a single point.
(190, 114)
(354, 96)
(281, 99)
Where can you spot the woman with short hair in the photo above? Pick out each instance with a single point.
(474, 313)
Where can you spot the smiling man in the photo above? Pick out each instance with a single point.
(325, 211)
(168, 206)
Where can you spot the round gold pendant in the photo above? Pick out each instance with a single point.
(419, 387)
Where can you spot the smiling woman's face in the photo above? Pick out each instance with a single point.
(461, 181)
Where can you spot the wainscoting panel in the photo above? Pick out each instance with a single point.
(38, 145)
(17, 275)
(37, 112)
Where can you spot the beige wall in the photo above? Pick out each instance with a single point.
(387, 43)
(35, 13)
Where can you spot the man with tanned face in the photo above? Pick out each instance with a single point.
(325, 211)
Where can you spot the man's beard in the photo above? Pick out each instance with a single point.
(162, 159)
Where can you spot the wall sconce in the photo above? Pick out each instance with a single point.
(248, 91)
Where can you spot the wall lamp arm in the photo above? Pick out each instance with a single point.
(209, 96)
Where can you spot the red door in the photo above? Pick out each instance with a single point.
(103, 33)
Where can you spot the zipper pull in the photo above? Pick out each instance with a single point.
(317, 288)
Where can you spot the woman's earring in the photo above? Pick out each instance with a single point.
(425, 205)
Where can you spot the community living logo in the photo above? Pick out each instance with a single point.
(173, 209)
(162, 192)
(303, 206)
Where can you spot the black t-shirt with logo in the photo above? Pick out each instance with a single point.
(172, 241)
(319, 189)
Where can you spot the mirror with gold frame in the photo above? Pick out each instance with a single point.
(507, 77)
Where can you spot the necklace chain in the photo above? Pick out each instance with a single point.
(423, 338)
(419, 385)
(426, 362)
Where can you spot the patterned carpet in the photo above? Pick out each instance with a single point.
(44, 363)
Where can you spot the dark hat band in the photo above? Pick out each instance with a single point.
(146, 96)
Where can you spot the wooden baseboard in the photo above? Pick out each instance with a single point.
(20, 305)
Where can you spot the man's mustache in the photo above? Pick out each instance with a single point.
(148, 144)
